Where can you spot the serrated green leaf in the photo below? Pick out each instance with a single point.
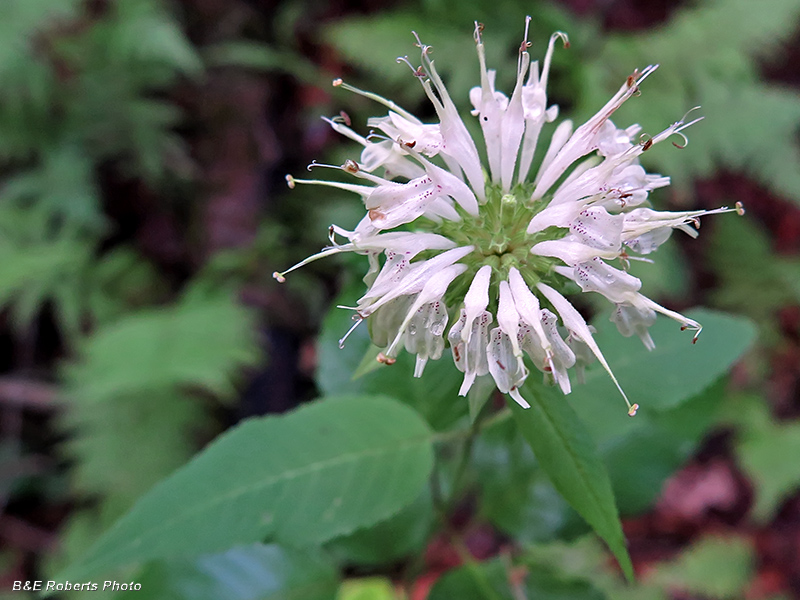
(564, 449)
(303, 478)
(763, 456)
(715, 567)
(254, 572)
(388, 541)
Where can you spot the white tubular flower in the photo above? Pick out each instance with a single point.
(502, 241)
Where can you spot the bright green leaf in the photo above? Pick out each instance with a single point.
(641, 453)
(715, 567)
(302, 478)
(564, 449)
(372, 588)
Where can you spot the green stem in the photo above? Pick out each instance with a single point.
(442, 507)
(455, 434)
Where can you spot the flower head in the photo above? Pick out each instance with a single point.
(488, 248)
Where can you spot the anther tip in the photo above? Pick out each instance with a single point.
(740, 209)
(279, 277)
(337, 82)
(385, 360)
(290, 182)
(632, 410)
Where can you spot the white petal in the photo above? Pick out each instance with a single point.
(507, 370)
(597, 276)
(458, 143)
(596, 228)
(560, 357)
(555, 215)
(433, 290)
(585, 138)
(470, 357)
(576, 324)
(527, 305)
(508, 317)
(636, 320)
(560, 137)
(412, 281)
(476, 299)
(514, 393)
(571, 251)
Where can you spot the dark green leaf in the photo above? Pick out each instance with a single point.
(397, 537)
(679, 369)
(564, 449)
(544, 584)
(641, 455)
(494, 580)
(475, 581)
(515, 494)
(303, 478)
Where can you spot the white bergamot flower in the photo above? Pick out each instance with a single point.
(489, 249)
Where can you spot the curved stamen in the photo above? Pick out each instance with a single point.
(379, 99)
(280, 276)
(477, 33)
(314, 163)
(358, 320)
(524, 45)
(548, 57)
(418, 72)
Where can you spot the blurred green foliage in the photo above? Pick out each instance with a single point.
(90, 90)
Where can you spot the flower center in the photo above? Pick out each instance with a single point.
(499, 234)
